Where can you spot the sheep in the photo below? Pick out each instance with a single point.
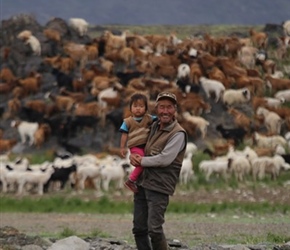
(274, 102)
(186, 171)
(113, 170)
(26, 130)
(38, 177)
(239, 165)
(285, 94)
(267, 165)
(200, 122)
(79, 25)
(268, 141)
(87, 170)
(272, 120)
(233, 97)
(212, 86)
(209, 167)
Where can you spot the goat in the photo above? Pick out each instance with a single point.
(209, 167)
(60, 174)
(79, 25)
(186, 171)
(237, 134)
(272, 121)
(241, 120)
(268, 141)
(26, 130)
(233, 97)
(199, 122)
(212, 86)
(7, 144)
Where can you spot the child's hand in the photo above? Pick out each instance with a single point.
(123, 152)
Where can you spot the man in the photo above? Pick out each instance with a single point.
(164, 152)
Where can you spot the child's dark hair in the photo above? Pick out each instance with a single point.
(139, 96)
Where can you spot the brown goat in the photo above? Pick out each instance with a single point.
(41, 134)
(7, 144)
(87, 109)
(275, 84)
(52, 34)
(241, 120)
(7, 75)
(37, 105)
(259, 39)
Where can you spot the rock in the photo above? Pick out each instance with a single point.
(70, 243)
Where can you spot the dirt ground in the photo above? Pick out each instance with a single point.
(190, 229)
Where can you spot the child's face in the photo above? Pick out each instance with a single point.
(138, 108)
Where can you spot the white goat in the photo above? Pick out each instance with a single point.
(239, 166)
(217, 166)
(183, 71)
(233, 97)
(274, 102)
(285, 94)
(113, 170)
(186, 171)
(88, 170)
(269, 141)
(34, 44)
(26, 130)
(212, 86)
(190, 148)
(79, 25)
(200, 122)
(37, 177)
(272, 120)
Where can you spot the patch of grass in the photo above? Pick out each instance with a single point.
(58, 203)
(67, 232)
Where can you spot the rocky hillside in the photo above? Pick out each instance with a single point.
(22, 63)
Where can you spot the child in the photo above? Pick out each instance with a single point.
(135, 130)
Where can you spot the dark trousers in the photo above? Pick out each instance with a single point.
(149, 209)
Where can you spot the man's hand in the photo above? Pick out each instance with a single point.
(135, 159)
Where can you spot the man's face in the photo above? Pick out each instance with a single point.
(165, 111)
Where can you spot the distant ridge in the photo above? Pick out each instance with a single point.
(151, 12)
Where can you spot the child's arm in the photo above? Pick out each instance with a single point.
(124, 138)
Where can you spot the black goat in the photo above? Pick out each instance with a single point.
(60, 174)
(62, 79)
(187, 86)
(286, 158)
(236, 134)
(125, 77)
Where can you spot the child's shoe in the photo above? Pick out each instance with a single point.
(131, 185)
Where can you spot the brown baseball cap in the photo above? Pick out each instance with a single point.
(167, 95)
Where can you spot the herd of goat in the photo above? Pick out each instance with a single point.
(58, 80)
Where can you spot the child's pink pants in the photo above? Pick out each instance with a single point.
(138, 169)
